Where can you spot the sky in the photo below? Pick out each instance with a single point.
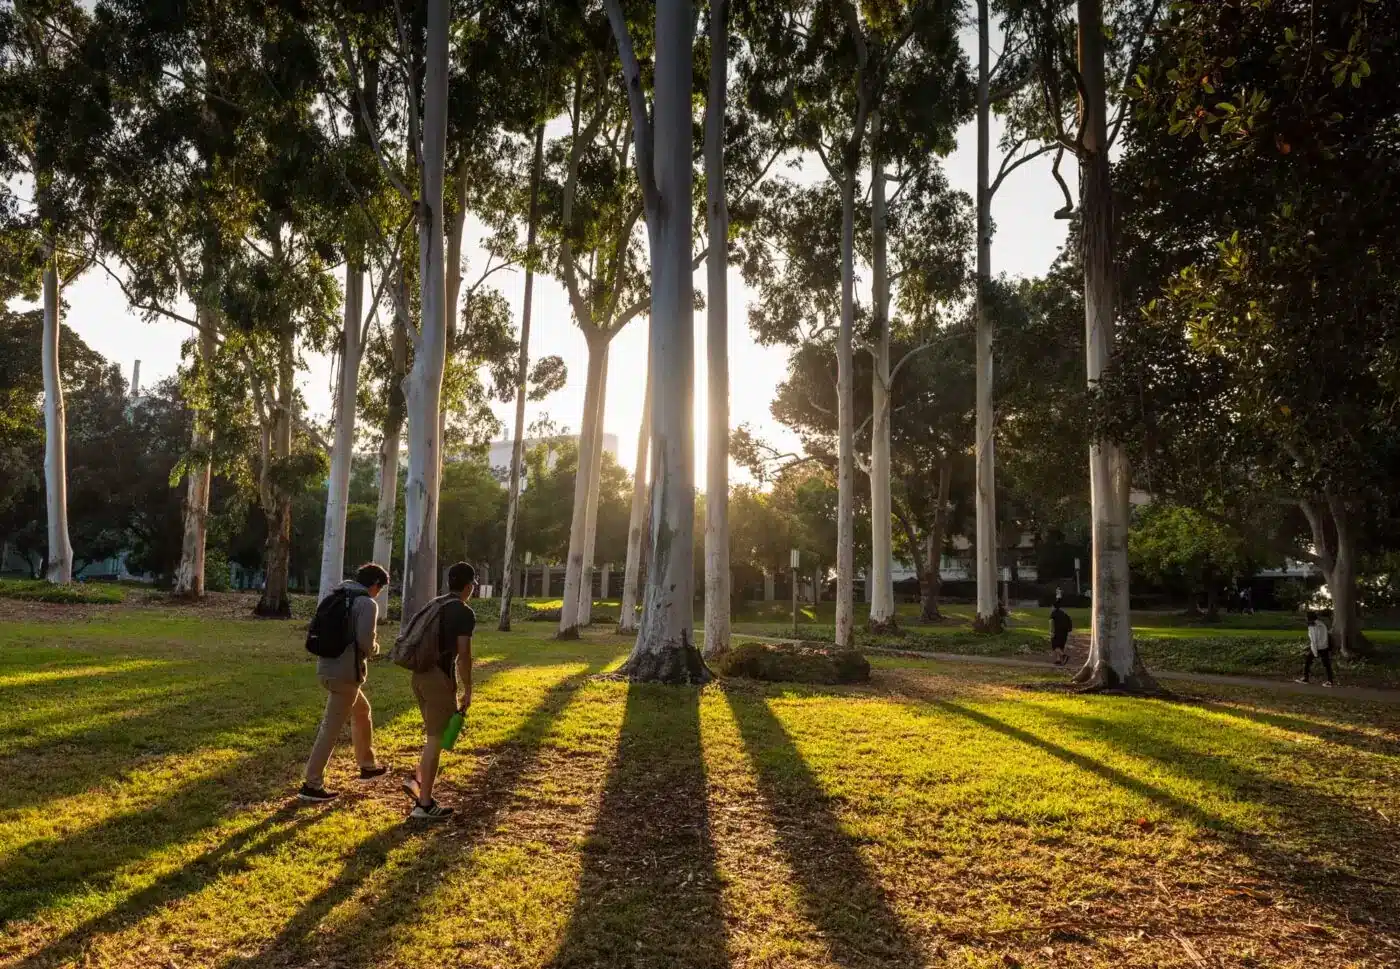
(1026, 241)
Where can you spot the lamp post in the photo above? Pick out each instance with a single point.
(794, 560)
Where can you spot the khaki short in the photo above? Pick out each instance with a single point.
(437, 700)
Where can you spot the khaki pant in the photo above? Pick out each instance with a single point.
(437, 700)
(345, 701)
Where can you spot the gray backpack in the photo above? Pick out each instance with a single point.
(418, 647)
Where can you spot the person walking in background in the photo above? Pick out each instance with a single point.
(1060, 626)
(1319, 646)
(435, 683)
(342, 637)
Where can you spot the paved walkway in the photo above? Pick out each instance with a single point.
(1369, 694)
(1280, 686)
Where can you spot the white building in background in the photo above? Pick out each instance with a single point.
(500, 453)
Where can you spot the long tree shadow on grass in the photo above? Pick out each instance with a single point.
(841, 893)
(649, 893)
(1370, 893)
(413, 879)
(1277, 863)
(1332, 733)
(235, 854)
(268, 754)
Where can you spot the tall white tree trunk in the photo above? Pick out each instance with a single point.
(880, 585)
(578, 523)
(665, 650)
(517, 451)
(1113, 661)
(595, 480)
(627, 619)
(60, 571)
(343, 447)
(386, 514)
(717, 575)
(845, 420)
(189, 576)
(985, 544)
(423, 389)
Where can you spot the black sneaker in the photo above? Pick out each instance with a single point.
(433, 812)
(370, 773)
(316, 795)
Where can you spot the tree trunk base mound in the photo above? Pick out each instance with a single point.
(679, 664)
(795, 663)
(885, 627)
(568, 634)
(990, 625)
(280, 610)
(1103, 679)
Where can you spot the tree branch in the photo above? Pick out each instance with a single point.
(643, 135)
(366, 117)
(1008, 166)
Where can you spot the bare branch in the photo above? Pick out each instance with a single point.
(1008, 166)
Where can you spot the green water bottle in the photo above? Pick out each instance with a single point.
(453, 730)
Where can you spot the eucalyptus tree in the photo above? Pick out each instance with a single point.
(925, 98)
(593, 241)
(517, 453)
(55, 114)
(717, 566)
(1113, 660)
(182, 187)
(663, 148)
(368, 204)
(829, 67)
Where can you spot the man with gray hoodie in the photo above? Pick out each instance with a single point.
(343, 677)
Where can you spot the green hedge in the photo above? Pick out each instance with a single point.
(79, 593)
(788, 663)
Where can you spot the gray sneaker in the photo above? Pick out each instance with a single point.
(433, 812)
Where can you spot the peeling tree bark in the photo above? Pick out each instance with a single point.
(665, 650)
(1334, 542)
(717, 574)
(60, 549)
(985, 544)
(627, 619)
(190, 575)
(343, 447)
(595, 480)
(845, 420)
(385, 515)
(517, 451)
(1113, 661)
(880, 593)
(423, 389)
(578, 522)
(275, 602)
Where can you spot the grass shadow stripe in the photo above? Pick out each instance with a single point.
(232, 855)
(840, 891)
(649, 892)
(411, 880)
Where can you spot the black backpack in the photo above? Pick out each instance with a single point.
(331, 631)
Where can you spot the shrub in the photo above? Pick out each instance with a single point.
(79, 593)
(216, 571)
(788, 663)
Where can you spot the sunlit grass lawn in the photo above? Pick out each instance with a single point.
(962, 816)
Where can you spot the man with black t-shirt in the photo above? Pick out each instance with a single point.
(436, 689)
